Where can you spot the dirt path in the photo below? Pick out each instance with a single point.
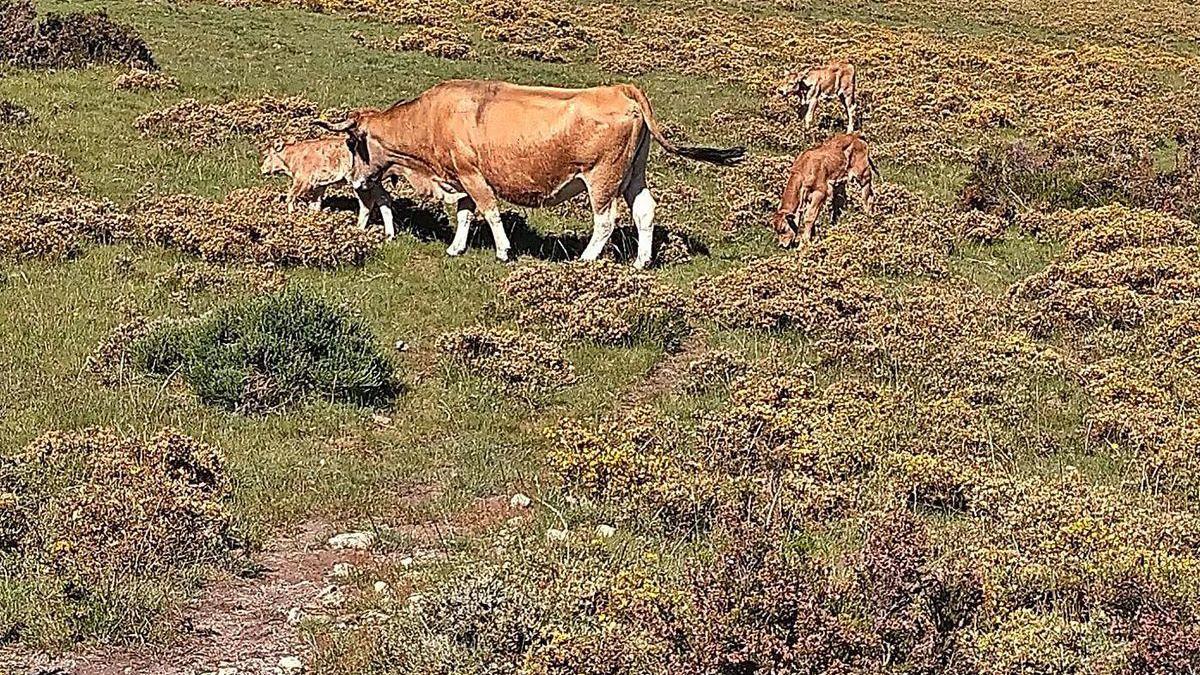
(669, 370)
(236, 622)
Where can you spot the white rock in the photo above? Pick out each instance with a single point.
(381, 587)
(331, 597)
(401, 346)
(290, 665)
(342, 570)
(556, 535)
(359, 541)
(294, 616)
(605, 531)
(520, 501)
(407, 561)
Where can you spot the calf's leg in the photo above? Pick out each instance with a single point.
(812, 211)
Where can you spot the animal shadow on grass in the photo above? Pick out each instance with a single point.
(431, 224)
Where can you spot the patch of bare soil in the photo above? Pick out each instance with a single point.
(239, 622)
(242, 622)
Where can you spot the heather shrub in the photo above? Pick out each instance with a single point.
(519, 360)
(71, 40)
(245, 229)
(602, 302)
(271, 351)
(787, 293)
(102, 525)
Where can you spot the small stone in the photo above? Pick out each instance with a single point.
(359, 541)
(556, 535)
(606, 531)
(381, 420)
(291, 665)
(407, 561)
(401, 346)
(294, 616)
(381, 587)
(342, 570)
(331, 597)
(520, 501)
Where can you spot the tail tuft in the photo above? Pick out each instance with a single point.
(718, 156)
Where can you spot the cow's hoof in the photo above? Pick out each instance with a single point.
(502, 256)
(454, 252)
(640, 264)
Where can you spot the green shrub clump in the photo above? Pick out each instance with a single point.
(271, 351)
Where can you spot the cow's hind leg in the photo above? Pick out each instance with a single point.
(641, 203)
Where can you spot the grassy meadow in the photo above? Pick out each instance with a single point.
(956, 437)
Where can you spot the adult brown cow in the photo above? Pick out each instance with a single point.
(836, 79)
(484, 141)
(815, 175)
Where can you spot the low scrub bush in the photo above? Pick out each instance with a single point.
(270, 351)
(787, 292)
(99, 525)
(251, 228)
(14, 114)
(520, 360)
(71, 40)
(147, 80)
(193, 124)
(602, 302)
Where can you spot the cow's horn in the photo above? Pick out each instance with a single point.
(340, 127)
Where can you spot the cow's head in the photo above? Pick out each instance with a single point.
(272, 162)
(784, 225)
(367, 157)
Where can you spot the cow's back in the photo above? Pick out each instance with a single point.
(527, 142)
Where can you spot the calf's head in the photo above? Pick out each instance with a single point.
(272, 162)
(783, 223)
(791, 85)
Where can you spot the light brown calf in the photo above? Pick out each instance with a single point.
(836, 79)
(815, 175)
(317, 164)
(481, 142)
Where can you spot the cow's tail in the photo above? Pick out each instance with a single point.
(875, 171)
(718, 156)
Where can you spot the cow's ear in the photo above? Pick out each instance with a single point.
(278, 145)
(342, 127)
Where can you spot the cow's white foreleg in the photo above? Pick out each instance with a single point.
(384, 201)
(497, 224)
(466, 210)
(364, 212)
(643, 216)
(603, 224)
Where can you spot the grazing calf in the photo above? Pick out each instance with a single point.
(815, 175)
(315, 165)
(836, 79)
(481, 142)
